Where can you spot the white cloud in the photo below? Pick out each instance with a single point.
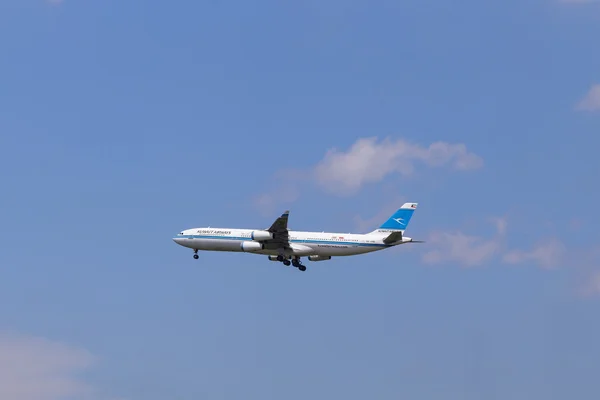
(368, 161)
(592, 285)
(33, 368)
(473, 250)
(501, 224)
(584, 269)
(465, 249)
(583, 265)
(591, 102)
(546, 254)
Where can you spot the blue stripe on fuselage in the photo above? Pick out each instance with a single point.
(291, 241)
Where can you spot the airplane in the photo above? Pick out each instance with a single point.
(283, 245)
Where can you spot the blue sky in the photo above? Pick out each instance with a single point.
(124, 122)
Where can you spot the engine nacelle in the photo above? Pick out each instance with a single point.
(251, 246)
(261, 235)
(319, 258)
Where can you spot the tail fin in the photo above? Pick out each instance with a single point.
(398, 222)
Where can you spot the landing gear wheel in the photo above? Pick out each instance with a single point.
(302, 267)
(280, 258)
(286, 262)
(196, 256)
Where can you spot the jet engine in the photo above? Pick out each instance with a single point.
(251, 246)
(274, 258)
(319, 258)
(261, 235)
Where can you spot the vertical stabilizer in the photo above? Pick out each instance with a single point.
(398, 222)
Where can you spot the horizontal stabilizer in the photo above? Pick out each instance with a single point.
(393, 237)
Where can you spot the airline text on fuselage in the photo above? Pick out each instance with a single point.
(213, 232)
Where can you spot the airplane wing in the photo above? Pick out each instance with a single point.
(280, 232)
(280, 224)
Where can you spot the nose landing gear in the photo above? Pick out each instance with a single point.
(196, 254)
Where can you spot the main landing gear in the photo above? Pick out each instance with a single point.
(295, 262)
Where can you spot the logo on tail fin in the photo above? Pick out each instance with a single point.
(400, 219)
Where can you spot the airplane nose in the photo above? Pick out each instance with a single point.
(178, 240)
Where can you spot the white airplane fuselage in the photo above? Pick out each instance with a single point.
(301, 243)
(281, 244)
